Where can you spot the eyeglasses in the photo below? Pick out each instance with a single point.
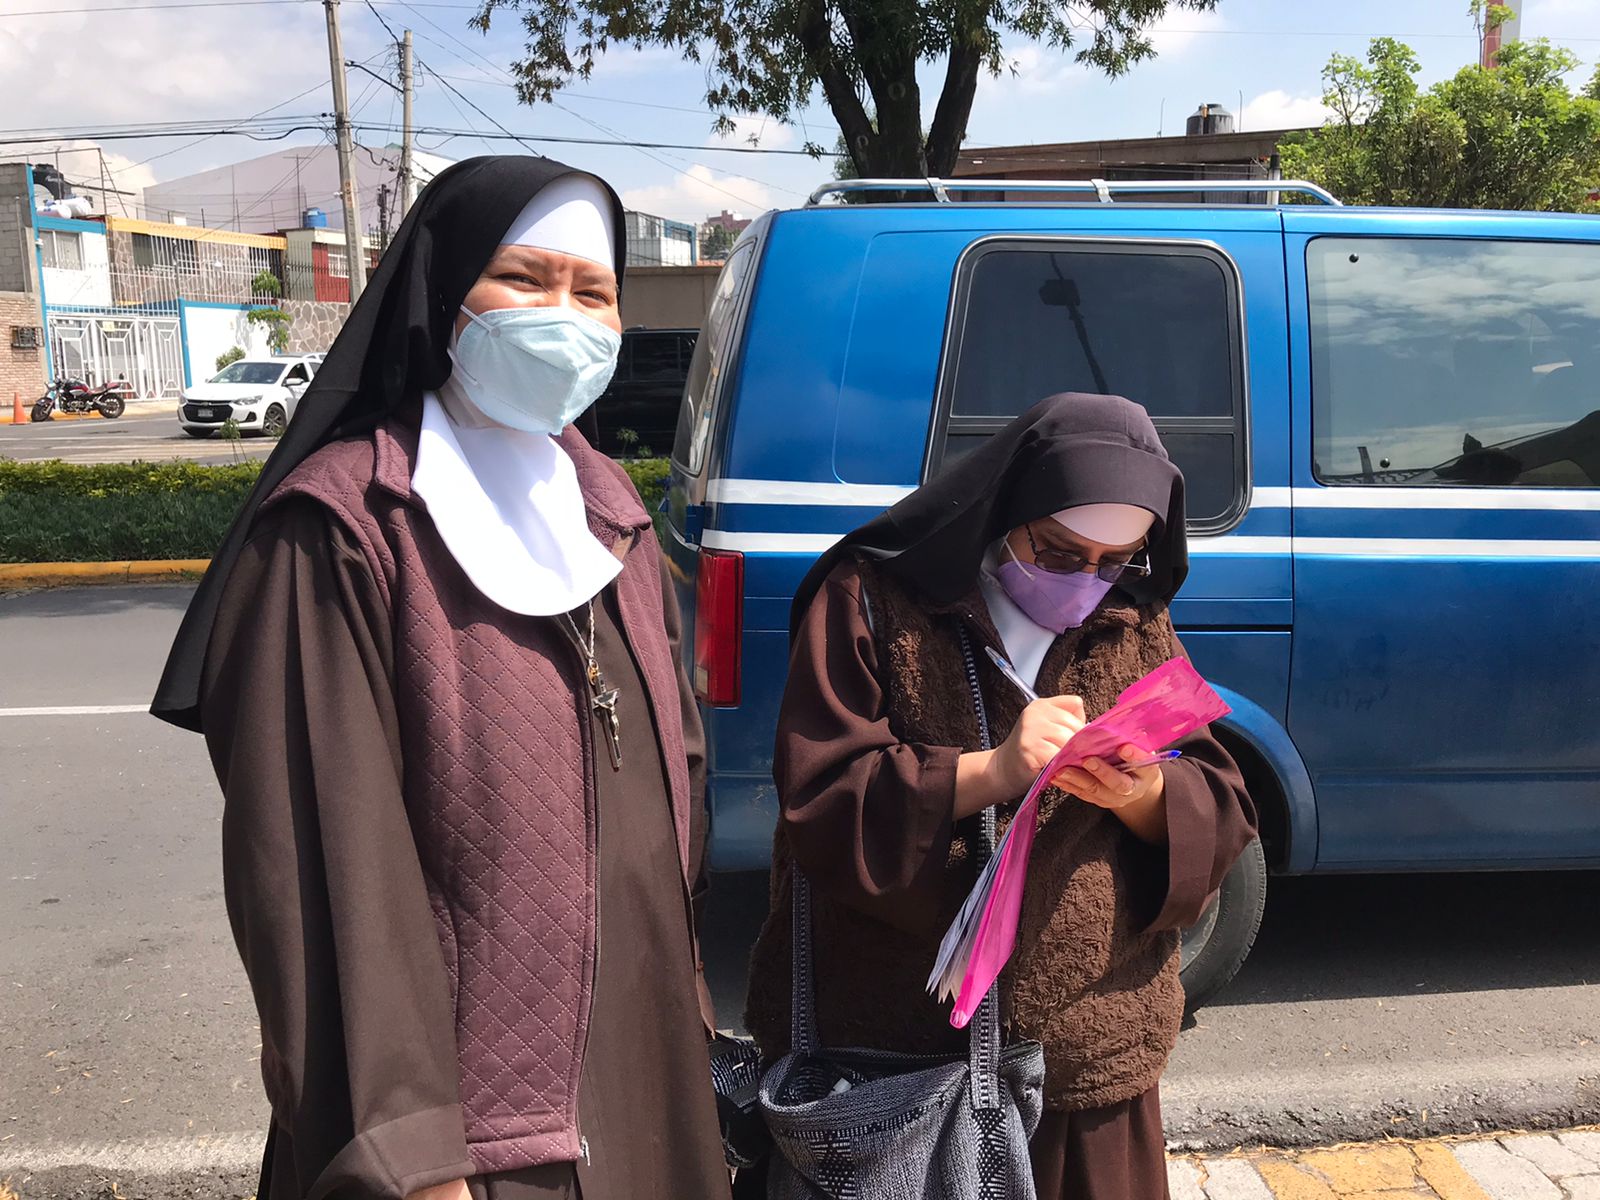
(1064, 562)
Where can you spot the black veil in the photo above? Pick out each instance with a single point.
(391, 350)
(1071, 449)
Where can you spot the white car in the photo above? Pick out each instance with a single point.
(258, 394)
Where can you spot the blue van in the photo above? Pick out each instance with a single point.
(1389, 422)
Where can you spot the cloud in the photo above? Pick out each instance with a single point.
(699, 193)
(1278, 109)
(93, 168)
(1035, 70)
(1180, 29)
(201, 64)
(755, 131)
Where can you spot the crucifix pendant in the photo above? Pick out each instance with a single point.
(605, 704)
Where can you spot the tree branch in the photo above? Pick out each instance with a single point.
(949, 128)
(816, 39)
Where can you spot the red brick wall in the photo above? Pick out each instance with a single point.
(21, 371)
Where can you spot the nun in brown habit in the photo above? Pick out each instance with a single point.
(435, 663)
(1058, 544)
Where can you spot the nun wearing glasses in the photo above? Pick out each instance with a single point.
(435, 664)
(1058, 545)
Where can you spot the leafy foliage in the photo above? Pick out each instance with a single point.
(231, 355)
(69, 512)
(266, 284)
(277, 322)
(717, 243)
(770, 56)
(1511, 137)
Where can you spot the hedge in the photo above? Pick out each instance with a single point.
(67, 512)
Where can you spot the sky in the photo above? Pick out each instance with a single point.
(71, 72)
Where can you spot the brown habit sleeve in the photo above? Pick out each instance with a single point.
(323, 884)
(1210, 820)
(868, 817)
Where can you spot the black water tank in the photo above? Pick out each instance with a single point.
(1209, 118)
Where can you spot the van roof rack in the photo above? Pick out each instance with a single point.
(1106, 190)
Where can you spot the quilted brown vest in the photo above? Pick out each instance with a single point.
(498, 761)
(1086, 981)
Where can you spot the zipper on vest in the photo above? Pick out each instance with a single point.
(592, 797)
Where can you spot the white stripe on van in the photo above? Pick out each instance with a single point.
(1448, 548)
(1457, 548)
(1241, 544)
(792, 491)
(1485, 499)
(882, 495)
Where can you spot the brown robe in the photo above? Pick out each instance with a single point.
(331, 913)
(868, 799)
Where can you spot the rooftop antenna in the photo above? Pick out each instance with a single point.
(1161, 121)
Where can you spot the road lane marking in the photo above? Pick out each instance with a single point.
(75, 710)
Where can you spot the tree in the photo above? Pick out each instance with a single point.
(770, 56)
(1512, 136)
(277, 323)
(716, 242)
(231, 355)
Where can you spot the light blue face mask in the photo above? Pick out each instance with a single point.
(534, 369)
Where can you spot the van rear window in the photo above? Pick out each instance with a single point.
(1158, 323)
(710, 361)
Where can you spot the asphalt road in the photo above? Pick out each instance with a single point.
(148, 432)
(1371, 1006)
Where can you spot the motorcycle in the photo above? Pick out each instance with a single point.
(76, 396)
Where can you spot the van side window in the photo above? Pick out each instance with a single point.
(1466, 362)
(1158, 323)
(710, 361)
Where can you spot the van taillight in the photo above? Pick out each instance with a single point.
(718, 626)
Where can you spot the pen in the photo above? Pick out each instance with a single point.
(1010, 673)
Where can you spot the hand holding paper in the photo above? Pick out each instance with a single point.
(1169, 703)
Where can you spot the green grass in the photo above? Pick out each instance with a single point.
(66, 512)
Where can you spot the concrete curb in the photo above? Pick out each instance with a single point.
(14, 576)
(5, 417)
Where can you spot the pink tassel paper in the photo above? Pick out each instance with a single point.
(1168, 704)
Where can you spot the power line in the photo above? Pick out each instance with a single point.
(646, 151)
(455, 92)
(193, 4)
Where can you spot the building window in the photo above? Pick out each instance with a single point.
(172, 254)
(1467, 362)
(1158, 323)
(338, 264)
(60, 250)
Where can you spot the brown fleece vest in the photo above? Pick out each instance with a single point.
(1100, 994)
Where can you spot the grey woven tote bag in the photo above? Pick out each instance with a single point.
(859, 1124)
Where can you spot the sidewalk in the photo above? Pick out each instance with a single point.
(1523, 1166)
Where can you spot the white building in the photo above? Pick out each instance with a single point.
(272, 192)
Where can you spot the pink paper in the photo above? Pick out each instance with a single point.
(1169, 703)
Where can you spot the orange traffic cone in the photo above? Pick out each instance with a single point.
(16, 408)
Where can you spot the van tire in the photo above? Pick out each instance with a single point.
(1216, 946)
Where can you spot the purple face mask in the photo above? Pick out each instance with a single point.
(1052, 601)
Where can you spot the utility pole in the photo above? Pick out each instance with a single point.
(383, 217)
(354, 243)
(407, 186)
